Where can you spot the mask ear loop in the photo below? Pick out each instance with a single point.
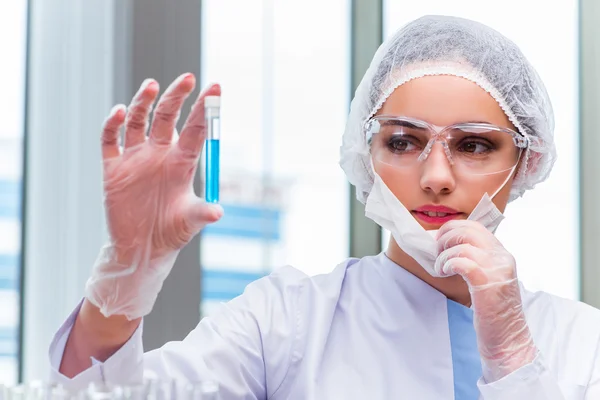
(512, 171)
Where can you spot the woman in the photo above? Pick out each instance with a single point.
(449, 124)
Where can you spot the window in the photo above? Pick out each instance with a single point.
(12, 104)
(284, 106)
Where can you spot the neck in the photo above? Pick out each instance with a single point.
(453, 287)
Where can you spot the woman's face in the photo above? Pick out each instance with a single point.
(433, 190)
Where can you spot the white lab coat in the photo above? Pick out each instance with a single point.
(367, 330)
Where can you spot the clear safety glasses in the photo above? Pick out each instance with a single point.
(471, 148)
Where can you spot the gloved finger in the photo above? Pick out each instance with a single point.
(471, 272)
(461, 251)
(169, 108)
(466, 234)
(199, 213)
(110, 132)
(138, 112)
(193, 134)
(457, 223)
(464, 251)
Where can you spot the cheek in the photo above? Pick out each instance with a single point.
(404, 183)
(489, 184)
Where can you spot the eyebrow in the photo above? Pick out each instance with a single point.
(396, 122)
(392, 121)
(475, 122)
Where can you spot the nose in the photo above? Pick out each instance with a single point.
(437, 176)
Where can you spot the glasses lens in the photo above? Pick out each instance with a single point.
(473, 148)
(482, 149)
(397, 142)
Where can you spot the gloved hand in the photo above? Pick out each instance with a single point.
(151, 208)
(503, 337)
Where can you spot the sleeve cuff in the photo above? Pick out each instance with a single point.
(531, 382)
(123, 367)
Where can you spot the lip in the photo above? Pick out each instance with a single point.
(434, 208)
(420, 213)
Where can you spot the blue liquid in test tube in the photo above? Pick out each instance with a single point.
(212, 108)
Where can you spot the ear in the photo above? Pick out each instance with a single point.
(533, 161)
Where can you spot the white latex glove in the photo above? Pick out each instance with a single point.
(503, 337)
(151, 208)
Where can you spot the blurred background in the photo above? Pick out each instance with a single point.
(288, 70)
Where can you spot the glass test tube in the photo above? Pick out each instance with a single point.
(212, 114)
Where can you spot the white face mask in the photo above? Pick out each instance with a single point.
(388, 212)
